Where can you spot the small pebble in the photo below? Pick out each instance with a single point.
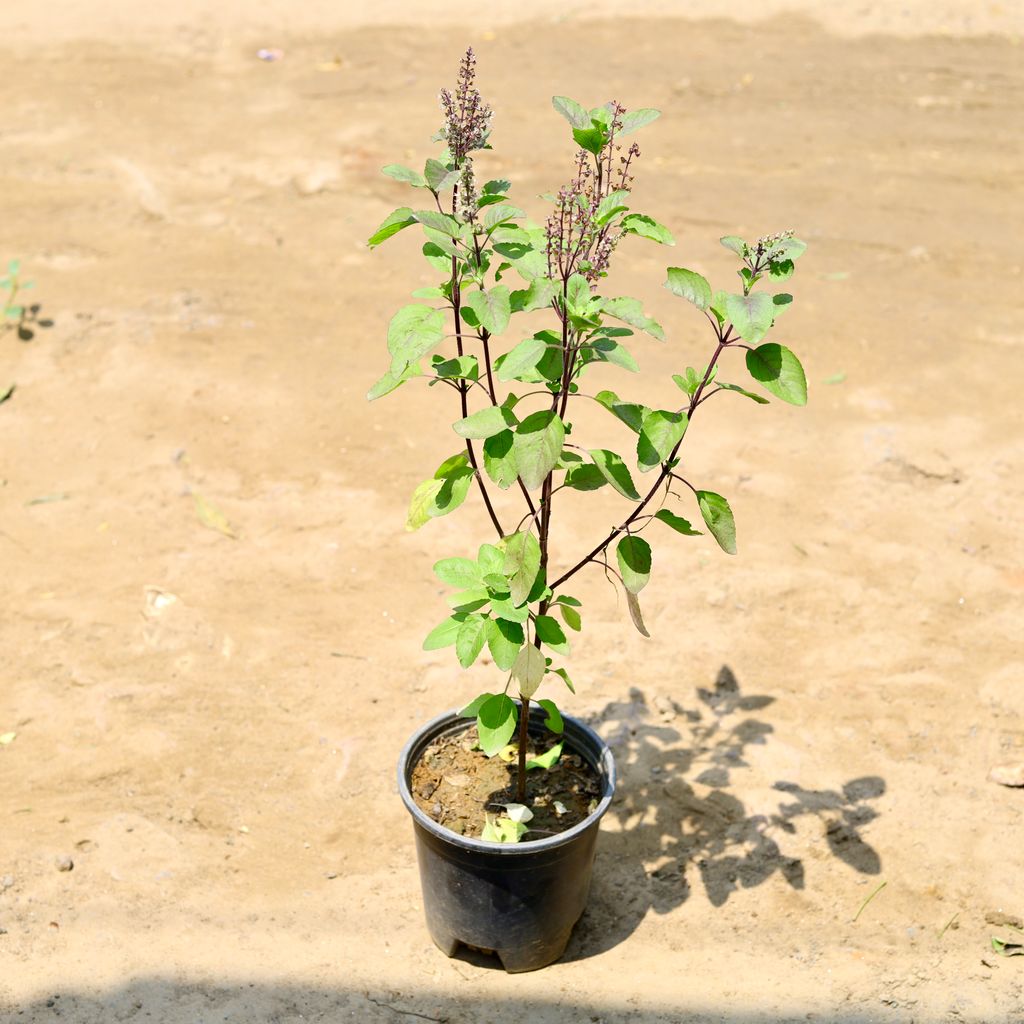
(435, 811)
(64, 863)
(331, 874)
(6, 882)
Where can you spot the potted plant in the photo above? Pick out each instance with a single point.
(507, 793)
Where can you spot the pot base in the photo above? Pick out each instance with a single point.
(514, 960)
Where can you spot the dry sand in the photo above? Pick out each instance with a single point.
(207, 725)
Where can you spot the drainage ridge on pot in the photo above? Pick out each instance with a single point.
(517, 900)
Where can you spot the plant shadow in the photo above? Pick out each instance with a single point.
(674, 808)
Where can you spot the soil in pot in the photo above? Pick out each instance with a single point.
(456, 785)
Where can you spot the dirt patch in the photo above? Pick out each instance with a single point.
(457, 785)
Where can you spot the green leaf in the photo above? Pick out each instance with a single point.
(492, 308)
(469, 600)
(392, 224)
(505, 609)
(577, 294)
(522, 564)
(633, 120)
(781, 301)
(523, 358)
(565, 678)
(689, 285)
(591, 139)
(647, 227)
(537, 446)
(634, 557)
(421, 503)
(743, 391)
(458, 572)
(499, 460)
(496, 723)
(548, 759)
(633, 602)
(391, 380)
(444, 634)
(678, 523)
(490, 558)
(471, 638)
(780, 270)
(537, 296)
(690, 382)
(608, 350)
(551, 634)
(615, 472)
(500, 213)
(504, 639)
(486, 423)
(791, 249)
(778, 371)
(571, 111)
(609, 207)
(439, 496)
(571, 616)
(472, 709)
(456, 368)
(439, 176)
(628, 412)
(553, 721)
(529, 669)
(443, 223)
(718, 516)
(735, 244)
(404, 174)
(661, 432)
(412, 333)
(630, 311)
(751, 315)
(496, 186)
(584, 478)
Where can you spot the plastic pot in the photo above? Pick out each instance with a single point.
(518, 901)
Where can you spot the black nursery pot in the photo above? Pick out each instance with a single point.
(519, 901)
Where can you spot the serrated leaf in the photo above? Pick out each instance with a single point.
(779, 371)
(633, 602)
(523, 358)
(689, 285)
(458, 572)
(492, 308)
(485, 423)
(499, 460)
(734, 244)
(391, 380)
(412, 333)
(391, 225)
(537, 296)
(456, 368)
(537, 445)
(438, 176)
(551, 634)
(546, 760)
(584, 478)
(760, 399)
(499, 213)
(496, 722)
(529, 669)
(614, 203)
(630, 311)
(633, 120)
(591, 139)
(678, 523)
(751, 315)
(615, 472)
(472, 709)
(571, 111)
(608, 350)
(662, 430)
(628, 412)
(443, 223)
(553, 719)
(404, 174)
(634, 557)
(444, 634)
(470, 639)
(647, 227)
(504, 639)
(496, 186)
(718, 516)
(522, 564)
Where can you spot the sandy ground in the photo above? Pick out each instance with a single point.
(207, 725)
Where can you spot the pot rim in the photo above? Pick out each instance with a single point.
(604, 766)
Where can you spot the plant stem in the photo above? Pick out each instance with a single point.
(524, 734)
